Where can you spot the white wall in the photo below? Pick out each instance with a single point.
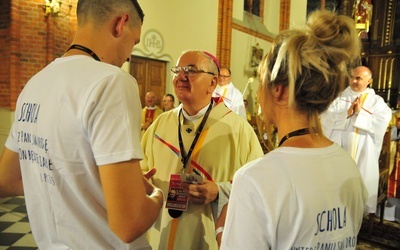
(193, 25)
(242, 43)
(298, 13)
(240, 63)
(182, 25)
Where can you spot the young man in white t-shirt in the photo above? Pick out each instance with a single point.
(74, 148)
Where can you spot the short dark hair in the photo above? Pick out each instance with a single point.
(170, 95)
(100, 10)
(138, 9)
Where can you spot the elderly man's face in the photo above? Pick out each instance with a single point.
(193, 89)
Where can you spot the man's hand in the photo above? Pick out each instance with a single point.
(152, 190)
(201, 194)
(10, 174)
(355, 107)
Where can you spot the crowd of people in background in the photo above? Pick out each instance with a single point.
(97, 171)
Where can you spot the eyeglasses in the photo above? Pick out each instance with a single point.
(224, 76)
(189, 70)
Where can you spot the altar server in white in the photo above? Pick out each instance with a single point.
(357, 120)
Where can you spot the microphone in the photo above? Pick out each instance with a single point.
(251, 80)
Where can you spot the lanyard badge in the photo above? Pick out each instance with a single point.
(177, 201)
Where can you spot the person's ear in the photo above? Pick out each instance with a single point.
(119, 24)
(214, 81)
(277, 91)
(213, 84)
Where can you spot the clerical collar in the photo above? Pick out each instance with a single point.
(151, 108)
(194, 118)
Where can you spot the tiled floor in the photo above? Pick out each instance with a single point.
(15, 233)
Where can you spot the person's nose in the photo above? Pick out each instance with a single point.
(181, 76)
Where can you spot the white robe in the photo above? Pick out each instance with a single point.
(226, 143)
(232, 97)
(361, 135)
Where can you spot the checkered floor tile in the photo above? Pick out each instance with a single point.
(15, 233)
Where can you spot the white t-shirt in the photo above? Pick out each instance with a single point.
(296, 198)
(71, 117)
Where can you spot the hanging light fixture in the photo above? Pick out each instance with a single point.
(53, 8)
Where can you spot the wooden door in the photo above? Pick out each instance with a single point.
(150, 75)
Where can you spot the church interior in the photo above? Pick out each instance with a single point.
(35, 32)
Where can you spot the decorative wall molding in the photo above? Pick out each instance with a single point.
(153, 42)
(142, 53)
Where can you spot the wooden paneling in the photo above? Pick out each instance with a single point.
(156, 79)
(381, 47)
(384, 75)
(150, 75)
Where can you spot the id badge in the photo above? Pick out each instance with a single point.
(177, 198)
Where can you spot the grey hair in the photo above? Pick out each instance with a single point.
(211, 64)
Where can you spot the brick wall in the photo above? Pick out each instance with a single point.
(5, 20)
(29, 40)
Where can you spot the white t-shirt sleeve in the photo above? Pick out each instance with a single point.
(246, 223)
(111, 118)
